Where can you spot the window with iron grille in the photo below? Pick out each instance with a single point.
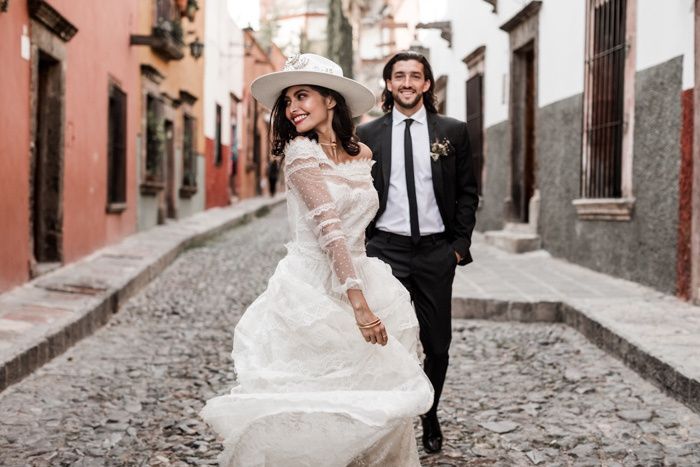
(604, 109)
(116, 146)
(155, 139)
(189, 161)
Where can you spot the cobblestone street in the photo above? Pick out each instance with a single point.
(516, 394)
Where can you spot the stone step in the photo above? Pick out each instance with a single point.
(513, 242)
(519, 227)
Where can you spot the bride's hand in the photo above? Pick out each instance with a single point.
(363, 315)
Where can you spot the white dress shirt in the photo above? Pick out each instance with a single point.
(396, 217)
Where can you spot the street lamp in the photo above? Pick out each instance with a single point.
(196, 48)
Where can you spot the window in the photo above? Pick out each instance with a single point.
(116, 148)
(608, 111)
(475, 109)
(217, 141)
(189, 160)
(155, 139)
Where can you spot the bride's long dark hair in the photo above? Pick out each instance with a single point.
(283, 131)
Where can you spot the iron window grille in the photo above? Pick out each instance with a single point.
(604, 109)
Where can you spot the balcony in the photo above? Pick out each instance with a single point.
(165, 40)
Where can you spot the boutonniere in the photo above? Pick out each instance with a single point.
(439, 148)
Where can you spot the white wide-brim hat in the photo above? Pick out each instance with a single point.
(317, 70)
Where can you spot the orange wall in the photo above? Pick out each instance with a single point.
(14, 150)
(98, 51)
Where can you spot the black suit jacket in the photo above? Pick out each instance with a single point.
(453, 175)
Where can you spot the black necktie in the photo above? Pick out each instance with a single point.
(410, 181)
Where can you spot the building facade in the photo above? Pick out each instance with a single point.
(170, 162)
(254, 147)
(67, 169)
(581, 118)
(223, 86)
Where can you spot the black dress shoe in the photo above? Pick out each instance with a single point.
(432, 436)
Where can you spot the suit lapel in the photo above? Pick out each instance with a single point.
(435, 165)
(386, 153)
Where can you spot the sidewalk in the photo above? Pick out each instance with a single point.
(42, 318)
(655, 334)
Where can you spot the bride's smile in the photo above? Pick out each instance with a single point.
(307, 108)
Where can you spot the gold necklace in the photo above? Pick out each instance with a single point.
(333, 147)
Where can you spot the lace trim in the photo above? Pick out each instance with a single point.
(333, 236)
(318, 210)
(350, 283)
(295, 166)
(327, 222)
(300, 148)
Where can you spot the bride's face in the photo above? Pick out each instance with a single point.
(306, 108)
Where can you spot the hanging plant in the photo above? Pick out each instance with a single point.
(191, 9)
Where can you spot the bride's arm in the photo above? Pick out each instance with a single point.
(305, 178)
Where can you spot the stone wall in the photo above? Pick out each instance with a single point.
(643, 249)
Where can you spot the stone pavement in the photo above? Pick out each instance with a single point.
(655, 334)
(516, 393)
(41, 319)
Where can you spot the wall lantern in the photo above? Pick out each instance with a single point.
(196, 48)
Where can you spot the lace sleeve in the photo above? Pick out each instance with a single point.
(305, 179)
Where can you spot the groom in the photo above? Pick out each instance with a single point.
(427, 204)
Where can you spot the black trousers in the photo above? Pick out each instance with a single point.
(427, 270)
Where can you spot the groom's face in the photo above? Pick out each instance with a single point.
(407, 84)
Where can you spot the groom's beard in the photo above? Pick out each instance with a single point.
(403, 102)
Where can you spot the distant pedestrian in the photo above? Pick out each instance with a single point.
(273, 170)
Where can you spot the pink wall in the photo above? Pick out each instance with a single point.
(14, 150)
(99, 52)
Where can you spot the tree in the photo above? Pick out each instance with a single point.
(339, 37)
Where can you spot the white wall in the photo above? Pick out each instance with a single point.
(223, 68)
(561, 50)
(473, 25)
(664, 31)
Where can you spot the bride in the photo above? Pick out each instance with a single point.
(326, 362)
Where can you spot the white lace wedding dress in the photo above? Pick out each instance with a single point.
(310, 391)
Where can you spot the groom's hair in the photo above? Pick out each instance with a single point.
(428, 96)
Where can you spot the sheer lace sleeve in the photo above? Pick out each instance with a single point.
(305, 179)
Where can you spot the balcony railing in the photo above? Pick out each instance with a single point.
(166, 38)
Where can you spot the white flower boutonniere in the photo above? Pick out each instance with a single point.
(439, 148)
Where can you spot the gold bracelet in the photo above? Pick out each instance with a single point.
(369, 325)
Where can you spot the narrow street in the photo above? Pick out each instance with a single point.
(516, 394)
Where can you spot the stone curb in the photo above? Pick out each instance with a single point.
(83, 312)
(663, 375)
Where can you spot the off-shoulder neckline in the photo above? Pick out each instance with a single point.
(319, 149)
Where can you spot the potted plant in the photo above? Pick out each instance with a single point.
(191, 9)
